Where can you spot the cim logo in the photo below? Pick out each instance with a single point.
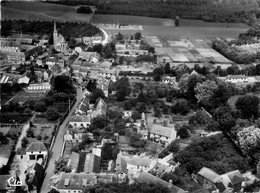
(14, 181)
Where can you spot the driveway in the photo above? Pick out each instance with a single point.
(57, 147)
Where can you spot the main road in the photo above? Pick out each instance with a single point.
(57, 146)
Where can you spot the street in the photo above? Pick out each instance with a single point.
(57, 147)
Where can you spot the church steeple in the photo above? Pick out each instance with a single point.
(55, 34)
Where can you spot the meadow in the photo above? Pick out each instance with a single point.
(41, 11)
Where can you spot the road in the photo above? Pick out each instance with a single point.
(57, 146)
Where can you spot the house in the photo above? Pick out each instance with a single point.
(123, 145)
(36, 150)
(236, 79)
(233, 181)
(210, 179)
(23, 80)
(68, 137)
(92, 57)
(41, 87)
(5, 186)
(50, 62)
(162, 134)
(76, 182)
(101, 108)
(40, 59)
(78, 121)
(145, 177)
(169, 80)
(84, 162)
(127, 113)
(34, 177)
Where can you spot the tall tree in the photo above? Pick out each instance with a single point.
(248, 106)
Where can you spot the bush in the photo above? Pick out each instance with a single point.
(183, 132)
(52, 114)
(84, 9)
(181, 106)
(39, 137)
(46, 137)
(24, 142)
(40, 106)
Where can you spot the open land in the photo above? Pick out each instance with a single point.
(41, 11)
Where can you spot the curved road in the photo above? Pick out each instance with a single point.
(57, 146)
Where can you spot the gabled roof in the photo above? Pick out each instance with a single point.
(80, 118)
(92, 163)
(74, 160)
(145, 177)
(36, 146)
(235, 177)
(101, 107)
(210, 175)
(161, 130)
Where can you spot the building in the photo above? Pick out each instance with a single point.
(162, 134)
(36, 150)
(76, 182)
(84, 162)
(233, 181)
(236, 79)
(42, 87)
(23, 80)
(78, 121)
(83, 107)
(34, 177)
(91, 57)
(58, 41)
(101, 108)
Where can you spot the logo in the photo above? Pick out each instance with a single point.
(14, 181)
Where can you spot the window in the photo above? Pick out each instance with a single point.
(32, 157)
(39, 151)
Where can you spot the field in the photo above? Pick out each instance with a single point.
(41, 11)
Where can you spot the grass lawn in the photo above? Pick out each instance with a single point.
(41, 11)
(23, 96)
(41, 120)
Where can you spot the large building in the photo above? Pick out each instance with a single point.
(58, 41)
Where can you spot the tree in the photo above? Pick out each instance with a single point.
(98, 48)
(248, 106)
(63, 83)
(141, 107)
(138, 36)
(177, 21)
(97, 93)
(220, 96)
(127, 105)
(158, 73)
(252, 19)
(136, 115)
(99, 122)
(184, 132)
(114, 112)
(119, 37)
(123, 88)
(224, 117)
(205, 90)
(3, 139)
(157, 112)
(52, 114)
(24, 142)
(249, 138)
(40, 106)
(200, 118)
(136, 141)
(167, 68)
(257, 69)
(124, 187)
(181, 106)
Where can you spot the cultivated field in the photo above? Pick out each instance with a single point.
(23, 96)
(41, 11)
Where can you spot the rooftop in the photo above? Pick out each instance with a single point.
(210, 175)
(161, 130)
(36, 146)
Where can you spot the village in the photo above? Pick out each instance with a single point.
(124, 108)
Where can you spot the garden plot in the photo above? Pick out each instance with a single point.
(188, 55)
(176, 55)
(210, 53)
(185, 43)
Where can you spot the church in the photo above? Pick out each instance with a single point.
(58, 41)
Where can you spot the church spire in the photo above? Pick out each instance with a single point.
(54, 30)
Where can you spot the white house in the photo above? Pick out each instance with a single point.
(36, 150)
(43, 87)
(161, 134)
(78, 121)
(169, 80)
(127, 113)
(236, 79)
